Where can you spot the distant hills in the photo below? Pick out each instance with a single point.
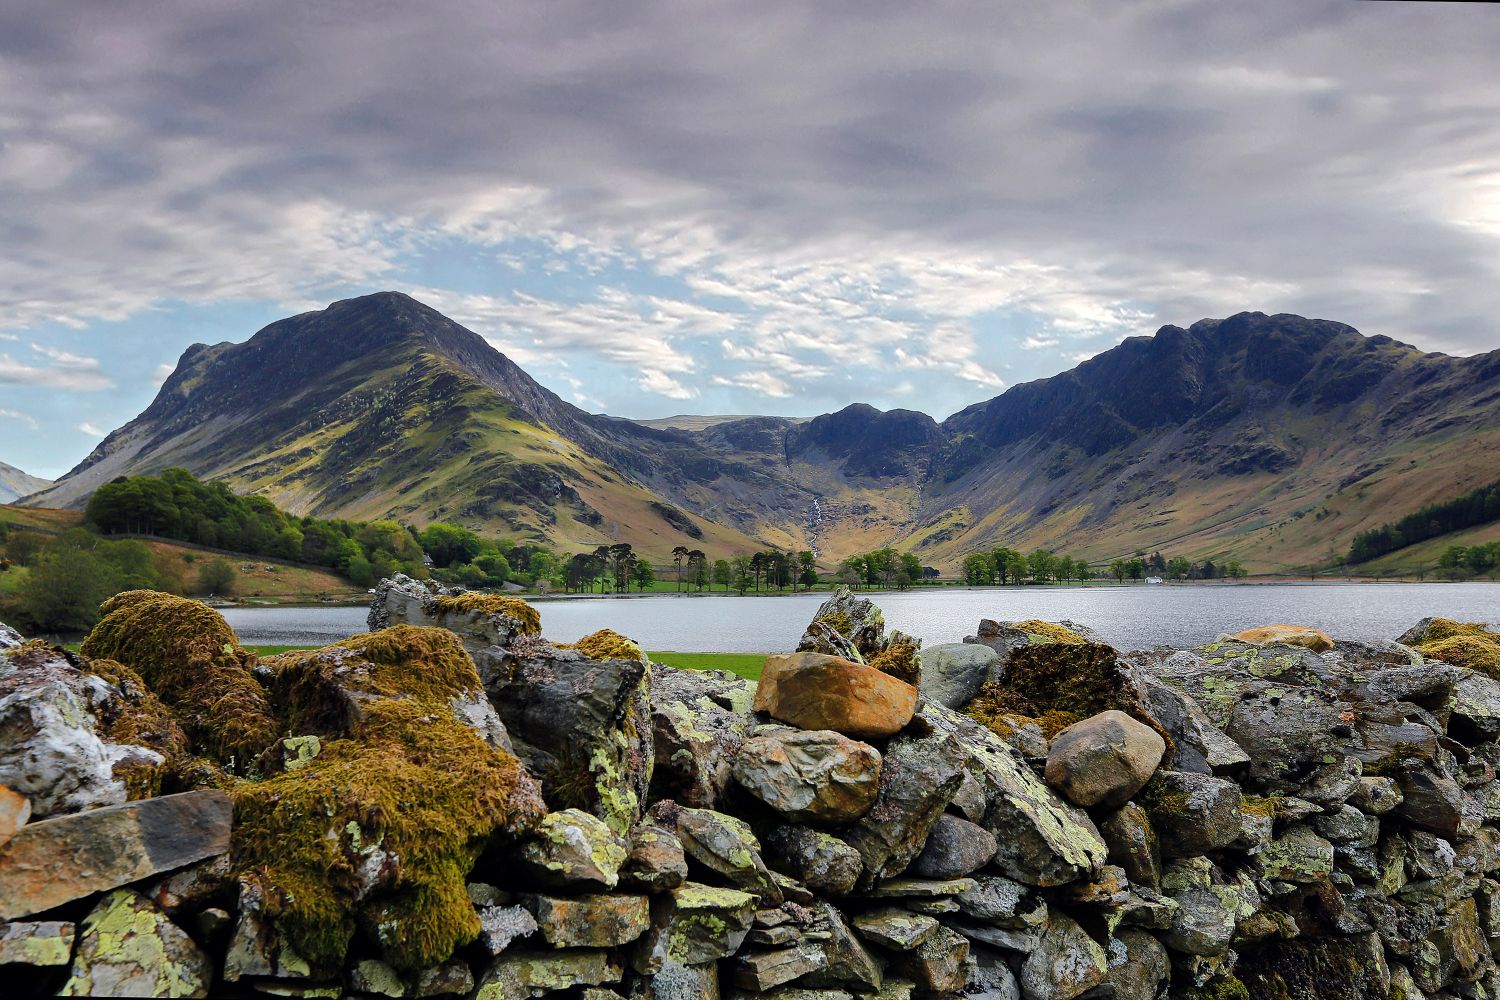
(1271, 439)
(15, 484)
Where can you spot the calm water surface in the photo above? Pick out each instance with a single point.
(1131, 617)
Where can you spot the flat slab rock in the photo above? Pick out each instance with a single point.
(69, 857)
(816, 691)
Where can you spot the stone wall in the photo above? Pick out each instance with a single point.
(456, 806)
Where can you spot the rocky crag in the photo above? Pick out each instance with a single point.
(453, 805)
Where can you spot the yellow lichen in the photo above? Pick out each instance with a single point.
(1040, 631)
(514, 608)
(187, 655)
(606, 644)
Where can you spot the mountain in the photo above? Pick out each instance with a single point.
(1272, 439)
(15, 484)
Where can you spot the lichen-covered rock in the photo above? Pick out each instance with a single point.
(37, 942)
(499, 926)
(1138, 965)
(819, 860)
(1066, 962)
(1286, 635)
(1132, 844)
(593, 921)
(699, 719)
(817, 691)
(1298, 855)
(848, 963)
(954, 848)
(896, 929)
(1103, 760)
(1192, 813)
(1431, 800)
(486, 624)
(937, 965)
(676, 981)
(953, 673)
(726, 845)
(656, 861)
(517, 975)
(573, 848)
(127, 947)
(15, 812)
(845, 626)
(763, 970)
(1007, 637)
(810, 776)
(9, 638)
(694, 924)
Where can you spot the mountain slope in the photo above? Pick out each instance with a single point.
(1268, 438)
(15, 484)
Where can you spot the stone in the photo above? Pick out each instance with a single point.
(675, 981)
(1347, 825)
(1132, 844)
(1065, 963)
(1042, 839)
(1286, 635)
(40, 942)
(810, 777)
(596, 921)
(206, 883)
(1002, 902)
(373, 976)
(1103, 760)
(1192, 813)
(821, 861)
(448, 979)
(989, 976)
(573, 848)
(726, 845)
(918, 779)
(128, 947)
(845, 625)
(700, 718)
(48, 863)
(656, 861)
(954, 848)
(1376, 795)
(849, 963)
(1299, 856)
(1431, 800)
(15, 811)
(693, 924)
(501, 925)
(953, 673)
(760, 971)
(898, 930)
(1198, 745)
(815, 691)
(920, 888)
(937, 965)
(255, 949)
(517, 975)
(53, 750)
(1138, 965)
(9, 638)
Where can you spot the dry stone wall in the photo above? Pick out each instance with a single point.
(454, 805)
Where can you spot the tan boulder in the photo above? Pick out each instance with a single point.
(1287, 635)
(1104, 760)
(816, 691)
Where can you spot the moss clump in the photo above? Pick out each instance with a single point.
(899, 659)
(1463, 644)
(1266, 807)
(836, 620)
(138, 717)
(186, 654)
(406, 781)
(606, 644)
(1228, 987)
(528, 621)
(1039, 632)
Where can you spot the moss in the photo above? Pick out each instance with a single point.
(190, 658)
(1161, 802)
(836, 620)
(1330, 968)
(606, 644)
(899, 659)
(1055, 721)
(527, 619)
(1041, 632)
(1266, 807)
(1463, 644)
(1223, 987)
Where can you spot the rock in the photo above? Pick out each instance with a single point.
(1103, 760)
(898, 930)
(694, 924)
(952, 674)
(1043, 840)
(726, 845)
(1138, 965)
(1286, 635)
(1299, 855)
(1132, 844)
(501, 925)
(1376, 796)
(675, 981)
(15, 810)
(848, 961)
(760, 971)
(700, 718)
(1002, 902)
(1207, 908)
(815, 691)
(954, 848)
(573, 848)
(918, 779)
(596, 921)
(128, 947)
(1431, 800)
(9, 638)
(206, 883)
(448, 979)
(485, 624)
(845, 626)
(53, 749)
(1065, 963)
(42, 942)
(255, 947)
(912, 889)
(1007, 637)
(373, 976)
(989, 976)
(516, 975)
(1198, 746)
(820, 860)
(48, 863)
(1347, 825)
(937, 964)
(1192, 813)
(810, 777)
(656, 860)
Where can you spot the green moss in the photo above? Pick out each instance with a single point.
(1228, 987)
(529, 622)
(190, 658)
(1482, 655)
(606, 644)
(138, 717)
(1039, 632)
(836, 620)
(899, 659)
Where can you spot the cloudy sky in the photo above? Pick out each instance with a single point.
(732, 207)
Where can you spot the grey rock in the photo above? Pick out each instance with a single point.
(1138, 965)
(818, 859)
(1103, 760)
(499, 926)
(1192, 813)
(1376, 795)
(1347, 825)
(954, 848)
(726, 845)
(1132, 844)
(810, 777)
(656, 861)
(1298, 855)
(848, 962)
(1066, 962)
(128, 947)
(675, 981)
(895, 929)
(953, 673)
(37, 942)
(573, 848)
(693, 924)
(699, 720)
(449, 979)
(937, 965)
(764, 970)
(516, 975)
(1431, 800)
(1002, 902)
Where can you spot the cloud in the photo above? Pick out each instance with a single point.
(162, 373)
(24, 418)
(88, 428)
(65, 371)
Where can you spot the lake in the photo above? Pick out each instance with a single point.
(1130, 617)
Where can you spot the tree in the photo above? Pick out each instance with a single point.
(808, 575)
(1081, 571)
(1178, 568)
(622, 564)
(978, 568)
(698, 572)
(679, 553)
(1136, 568)
(65, 589)
(1004, 559)
(1015, 567)
(493, 567)
(1118, 569)
(743, 570)
(216, 577)
(644, 575)
(1040, 564)
(723, 573)
(449, 544)
(1235, 570)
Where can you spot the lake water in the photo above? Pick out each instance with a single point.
(1130, 617)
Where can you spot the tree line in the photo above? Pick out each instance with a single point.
(1007, 566)
(1480, 506)
(884, 568)
(1459, 562)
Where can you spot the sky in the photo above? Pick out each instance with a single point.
(732, 207)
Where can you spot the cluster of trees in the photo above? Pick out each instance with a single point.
(610, 567)
(66, 578)
(1007, 566)
(883, 568)
(1459, 562)
(1476, 507)
(1176, 568)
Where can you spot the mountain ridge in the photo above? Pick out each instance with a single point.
(15, 484)
(1214, 436)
